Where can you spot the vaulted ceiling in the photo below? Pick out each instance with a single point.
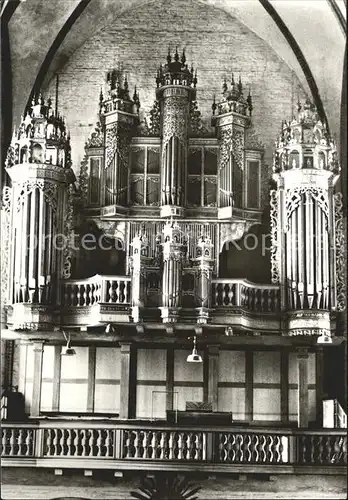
(39, 36)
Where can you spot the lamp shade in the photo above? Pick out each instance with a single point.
(194, 357)
(68, 351)
(324, 339)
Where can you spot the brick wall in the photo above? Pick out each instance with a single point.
(215, 42)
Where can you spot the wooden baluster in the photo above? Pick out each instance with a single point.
(4, 441)
(21, 442)
(99, 443)
(91, 443)
(162, 445)
(55, 442)
(230, 294)
(92, 294)
(136, 443)
(171, 446)
(29, 443)
(121, 288)
(108, 443)
(62, 441)
(76, 442)
(243, 295)
(12, 442)
(180, 444)
(188, 450)
(84, 443)
(110, 290)
(78, 295)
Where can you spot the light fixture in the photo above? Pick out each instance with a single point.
(194, 357)
(68, 350)
(229, 331)
(324, 338)
(110, 328)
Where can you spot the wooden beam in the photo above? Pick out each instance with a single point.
(205, 375)
(91, 377)
(319, 384)
(170, 378)
(38, 347)
(57, 371)
(213, 375)
(249, 377)
(284, 385)
(128, 380)
(303, 406)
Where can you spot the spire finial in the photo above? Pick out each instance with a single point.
(224, 86)
(183, 57)
(176, 56)
(214, 106)
(169, 57)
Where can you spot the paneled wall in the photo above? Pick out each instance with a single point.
(231, 383)
(293, 386)
(151, 383)
(107, 380)
(253, 385)
(266, 385)
(188, 379)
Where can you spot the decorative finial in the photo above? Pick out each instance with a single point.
(183, 57)
(176, 56)
(224, 86)
(101, 97)
(135, 94)
(240, 85)
(250, 102)
(214, 106)
(195, 79)
(233, 83)
(299, 107)
(169, 57)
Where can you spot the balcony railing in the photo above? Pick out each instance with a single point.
(246, 295)
(95, 290)
(62, 443)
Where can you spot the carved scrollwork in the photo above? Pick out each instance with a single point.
(175, 120)
(275, 250)
(152, 128)
(117, 141)
(196, 126)
(83, 178)
(49, 189)
(97, 138)
(238, 148)
(340, 245)
(68, 224)
(310, 331)
(293, 199)
(6, 241)
(225, 137)
(232, 231)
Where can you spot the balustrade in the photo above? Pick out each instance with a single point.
(164, 445)
(95, 290)
(129, 442)
(253, 448)
(249, 296)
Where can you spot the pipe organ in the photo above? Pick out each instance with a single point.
(39, 166)
(306, 171)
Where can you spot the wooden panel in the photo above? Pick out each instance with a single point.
(107, 398)
(38, 348)
(151, 401)
(187, 371)
(187, 394)
(74, 380)
(128, 380)
(56, 377)
(170, 378)
(22, 367)
(232, 399)
(266, 367)
(303, 407)
(232, 366)
(249, 373)
(266, 404)
(46, 396)
(284, 386)
(213, 357)
(48, 362)
(151, 364)
(108, 363)
(91, 378)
